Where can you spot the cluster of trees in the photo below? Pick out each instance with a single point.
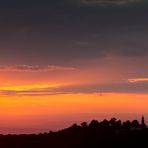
(104, 134)
(114, 124)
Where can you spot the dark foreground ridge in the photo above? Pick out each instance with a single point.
(105, 134)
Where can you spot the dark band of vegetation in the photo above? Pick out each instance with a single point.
(104, 134)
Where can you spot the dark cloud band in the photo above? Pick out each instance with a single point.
(106, 2)
(59, 31)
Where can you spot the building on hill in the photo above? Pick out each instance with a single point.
(135, 125)
(143, 125)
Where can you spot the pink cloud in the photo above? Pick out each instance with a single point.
(30, 68)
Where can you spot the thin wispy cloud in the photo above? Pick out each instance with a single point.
(28, 90)
(30, 68)
(57, 89)
(134, 80)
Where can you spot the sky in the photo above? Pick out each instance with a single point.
(66, 61)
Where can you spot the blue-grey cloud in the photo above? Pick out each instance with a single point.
(60, 31)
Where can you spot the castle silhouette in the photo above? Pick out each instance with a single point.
(143, 122)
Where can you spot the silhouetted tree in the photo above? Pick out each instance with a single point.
(93, 124)
(135, 124)
(127, 125)
(84, 125)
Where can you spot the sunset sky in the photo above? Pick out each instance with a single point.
(67, 61)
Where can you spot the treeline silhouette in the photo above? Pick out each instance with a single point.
(104, 134)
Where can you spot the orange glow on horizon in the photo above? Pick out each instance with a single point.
(50, 99)
(57, 111)
(73, 104)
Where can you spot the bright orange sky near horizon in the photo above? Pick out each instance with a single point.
(54, 99)
(54, 112)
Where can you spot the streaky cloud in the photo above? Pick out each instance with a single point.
(30, 68)
(135, 80)
(45, 90)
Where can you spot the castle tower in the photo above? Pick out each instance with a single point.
(143, 122)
